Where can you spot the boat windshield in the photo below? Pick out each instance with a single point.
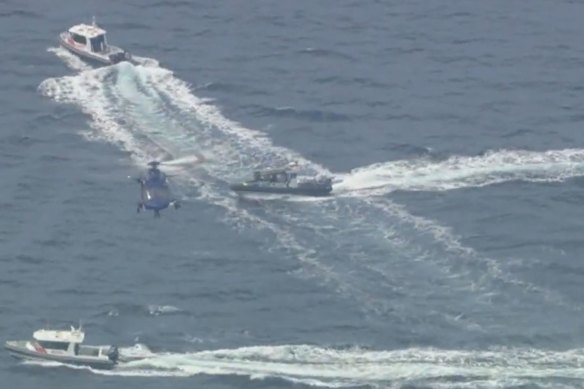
(271, 177)
(54, 345)
(78, 38)
(98, 44)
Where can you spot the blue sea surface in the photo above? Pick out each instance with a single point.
(449, 255)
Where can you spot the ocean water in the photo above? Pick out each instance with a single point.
(449, 256)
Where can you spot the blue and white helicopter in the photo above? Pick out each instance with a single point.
(155, 191)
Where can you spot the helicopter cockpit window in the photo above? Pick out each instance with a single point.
(155, 175)
(158, 192)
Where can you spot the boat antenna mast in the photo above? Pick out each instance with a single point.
(93, 23)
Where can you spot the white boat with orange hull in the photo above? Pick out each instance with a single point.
(89, 42)
(64, 347)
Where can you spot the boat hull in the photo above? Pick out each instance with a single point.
(18, 350)
(297, 191)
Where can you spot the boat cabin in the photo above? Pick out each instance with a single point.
(90, 37)
(63, 341)
(277, 176)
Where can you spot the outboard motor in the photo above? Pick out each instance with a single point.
(113, 354)
(120, 57)
(326, 182)
(116, 58)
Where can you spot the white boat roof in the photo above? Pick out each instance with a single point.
(72, 336)
(86, 30)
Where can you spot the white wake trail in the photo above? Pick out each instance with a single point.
(152, 114)
(334, 368)
(72, 61)
(126, 105)
(459, 172)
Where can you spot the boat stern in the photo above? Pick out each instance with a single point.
(121, 56)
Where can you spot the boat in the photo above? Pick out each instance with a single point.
(89, 42)
(63, 346)
(284, 181)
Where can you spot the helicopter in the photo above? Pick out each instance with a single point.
(155, 191)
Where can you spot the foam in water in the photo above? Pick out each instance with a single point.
(158, 310)
(86, 89)
(459, 172)
(127, 107)
(152, 114)
(72, 61)
(131, 106)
